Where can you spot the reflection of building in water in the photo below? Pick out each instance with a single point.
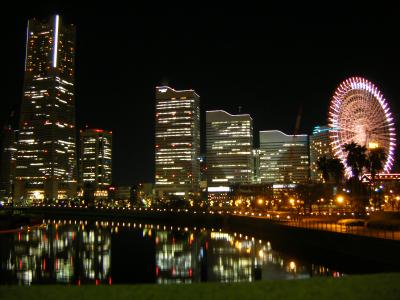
(176, 257)
(228, 259)
(81, 253)
(58, 253)
(95, 254)
(233, 258)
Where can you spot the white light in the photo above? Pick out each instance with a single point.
(219, 189)
(55, 41)
(179, 193)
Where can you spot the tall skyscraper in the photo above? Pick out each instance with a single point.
(7, 163)
(177, 142)
(46, 155)
(229, 150)
(283, 158)
(320, 145)
(96, 161)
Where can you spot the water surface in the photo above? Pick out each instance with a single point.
(105, 252)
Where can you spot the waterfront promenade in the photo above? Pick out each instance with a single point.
(341, 223)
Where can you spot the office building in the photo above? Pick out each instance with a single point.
(96, 161)
(7, 163)
(46, 150)
(320, 145)
(283, 158)
(177, 143)
(229, 150)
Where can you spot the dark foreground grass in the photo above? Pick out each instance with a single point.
(382, 286)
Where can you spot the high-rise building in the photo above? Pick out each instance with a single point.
(320, 145)
(177, 142)
(229, 150)
(283, 158)
(46, 155)
(95, 162)
(256, 165)
(7, 163)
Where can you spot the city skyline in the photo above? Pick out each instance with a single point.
(239, 74)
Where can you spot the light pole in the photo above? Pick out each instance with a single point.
(340, 200)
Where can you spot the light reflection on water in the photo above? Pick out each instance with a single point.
(87, 252)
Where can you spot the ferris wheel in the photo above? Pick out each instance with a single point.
(359, 113)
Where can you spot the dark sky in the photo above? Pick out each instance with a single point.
(269, 60)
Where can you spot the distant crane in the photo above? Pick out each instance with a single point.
(291, 148)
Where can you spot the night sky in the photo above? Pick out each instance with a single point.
(269, 60)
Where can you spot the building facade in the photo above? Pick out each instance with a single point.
(96, 162)
(229, 150)
(320, 145)
(283, 158)
(7, 163)
(177, 143)
(46, 151)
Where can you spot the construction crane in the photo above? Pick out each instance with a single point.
(291, 148)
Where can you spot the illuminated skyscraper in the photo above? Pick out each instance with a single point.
(46, 156)
(320, 145)
(229, 150)
(96, 161)
(283, 158)
(7, 163)
(177, 142)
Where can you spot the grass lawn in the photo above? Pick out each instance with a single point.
(382, 286)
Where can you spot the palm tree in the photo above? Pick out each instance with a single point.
(356, 158)
(376, 158)
(323, 166)
(336, 169)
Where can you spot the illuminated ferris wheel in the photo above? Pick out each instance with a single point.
(359, 113)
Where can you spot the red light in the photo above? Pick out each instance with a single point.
(44, 265)
(20, 263)
(190, 272)
(97, 282)
(79, 282)
(157, 271)
(206, 245)
(110, 281)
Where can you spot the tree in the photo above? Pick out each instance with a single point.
(323, 166)
(376, 158)
(356, 158)
(309, 194)
(336, 169)
(357, 161)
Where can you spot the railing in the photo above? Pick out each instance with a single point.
(344, 229)
(284, 219)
